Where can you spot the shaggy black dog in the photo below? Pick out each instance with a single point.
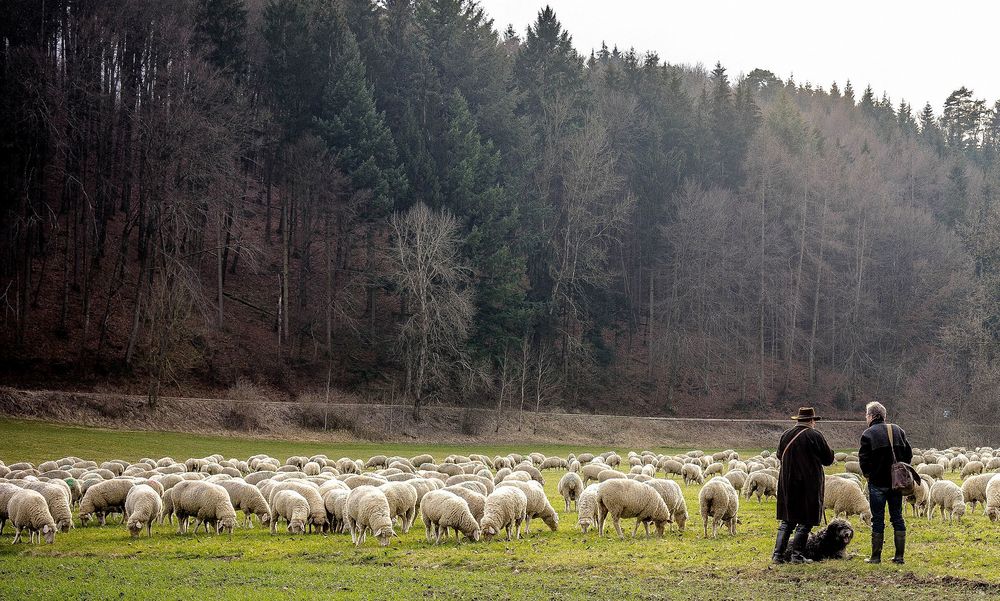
(830, 542)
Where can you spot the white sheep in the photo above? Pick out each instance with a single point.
(292, 507)
(443, 509)
(630, 499)
(58, 497)
(948, 496)
(310, 491)
(586, 507)
(993, 499)
(760, 484)
(335, 502)
(845, 497)
(570, 487)
(691, 473)
(207, 502)
(142, 506)
(974, 489)
(673, 497)
(104, 498)
(538, 505)
(476, 499)
(506, 509)
(918, 500)
(367, 509)
(972, 468)
(934, 470)
(720, 501)
(248, 499)
(402, 503)
(27, 509)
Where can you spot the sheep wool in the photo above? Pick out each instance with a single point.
(27, 510)
(846, 498)
(570, 487)
(948, 496)
(506, 509)
(720, 501)
(630, 499)
(538, 505)
(143, 506)
(673, 497)
(443, 509)
(292, 507)
(368, 510)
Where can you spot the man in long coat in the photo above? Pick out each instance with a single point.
(803, 452)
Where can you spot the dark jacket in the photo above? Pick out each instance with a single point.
(801, 480)
(875, 455)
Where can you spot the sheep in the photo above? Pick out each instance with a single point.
(208, 503)
(425, 458)
(473, 486)
(475, 499)
(357, 480)
(531, 471)
(672, 466)
(486, 482)
(591, 471)
(376, 462)
(715, 468)
(570, 487)
(27, 509)
(948, 496)
(846, 497)
(918, 500)
(934, 470)
(609, 474)
(974, 489)
(553, 463)
(737, 478)
(7, 491)
(629, 499)
(248, 499)
(972, 468)
(853, 467)
(839, 457)
(720, 501)
(958, 463)
(517, 477)
(760, 484)
(692, 474)
(103, 498)
(442, 509)
(142, 506)
(402, 500)
(506, 509)
(292, 507)
(317, 511)
(57, 497)
(538, 505)
(672, 496)
(993, 499)
(335, 502)
(368, 509)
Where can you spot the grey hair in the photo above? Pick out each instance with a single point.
(875, 409)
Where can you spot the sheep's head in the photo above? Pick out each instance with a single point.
(297, 527)
(475, 534)
(488, 531)
(134, 528)
(264, 517)
(65, 524)
(680, 517)
(225, 525)
(49, 532)
(866, 517)
(85, 517)
(585, 524)
(552, 521)
(958, 510)
(993, 513)
(384, 535)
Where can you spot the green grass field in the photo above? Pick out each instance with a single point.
(943, 562)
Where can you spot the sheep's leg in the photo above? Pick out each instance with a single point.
(427, 531)
(437, 536)
(646, 526)
(567, 505)
(508, 528)
(618, 526)
(636, 529)
(17, 535)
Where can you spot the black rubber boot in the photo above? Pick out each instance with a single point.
(876, 548)
(799, 546)
(899, 539)
(781, 542)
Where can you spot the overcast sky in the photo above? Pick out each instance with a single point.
(917, 50)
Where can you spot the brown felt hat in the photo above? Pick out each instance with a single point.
(806, 414)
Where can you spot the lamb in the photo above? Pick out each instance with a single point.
(248, 499)
(692, 473)
(208, 503)
(846, 497)
(27, 509)
(715, 468)
(368, 509)
(442, 509)
(993, 499)
(974, 489)
(402, 503)
(570, 487)
(103, 498)
(630, 499)
(142, 506)
(538, 505)
(317, 511)
(672, 496)
(506, 509)
(760, 484)
(292, 507)
(918, 500)
(972, 468)
(948, 496)
(719, 500)
(475, 499)
(57, 497)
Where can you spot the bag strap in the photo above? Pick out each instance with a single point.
(892, 445)
(783, 452)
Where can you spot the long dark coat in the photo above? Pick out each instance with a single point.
(801, 480)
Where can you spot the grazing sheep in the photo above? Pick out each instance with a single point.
(104, 498)
(974, 489)
(972, 468)
(760, 484)
(486, 482)
(506, 509)
(475, 499)
(142, 506)
(27, 509)
(630, 499)
(553, 463)
(248, 499)
(853, 467)
(720, 501)
(692, 474)
(292, 507)
(715, 468)
(538, 505)
(737, 478)
(376, 462)
(918, 500)
(846, 497)
(368, 509)
(443, 509)
(993, 499)
(948, 496)
(672, 496)
(609, 474)
(672, 466)
(934, 470)
(58, 497)
(518, 476)
(335, 502)
(7, 491)
(357, 480)
(402, 500)
(207, 502)
(591, 471)
(570, 487)
(317, 511)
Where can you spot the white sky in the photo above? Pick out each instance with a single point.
(917, 49)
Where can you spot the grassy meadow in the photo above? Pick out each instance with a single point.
(943, 561)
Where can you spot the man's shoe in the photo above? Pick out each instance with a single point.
(876, 548)
(799, 546)
(781, 543)
(899, 539)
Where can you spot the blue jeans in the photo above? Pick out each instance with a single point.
(879, 498)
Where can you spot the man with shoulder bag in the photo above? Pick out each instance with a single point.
(803, 452)
(885, 455)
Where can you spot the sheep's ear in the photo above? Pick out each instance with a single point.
(45, 529)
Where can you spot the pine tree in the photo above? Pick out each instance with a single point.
(548, 66)
(867, 103)
(834, 90)
(220, 31)
(290, 66)
(849, 93)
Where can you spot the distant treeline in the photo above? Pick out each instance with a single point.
(398, 199)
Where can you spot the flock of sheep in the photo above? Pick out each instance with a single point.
(472, 496)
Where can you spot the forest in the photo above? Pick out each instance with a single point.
(406, 201)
